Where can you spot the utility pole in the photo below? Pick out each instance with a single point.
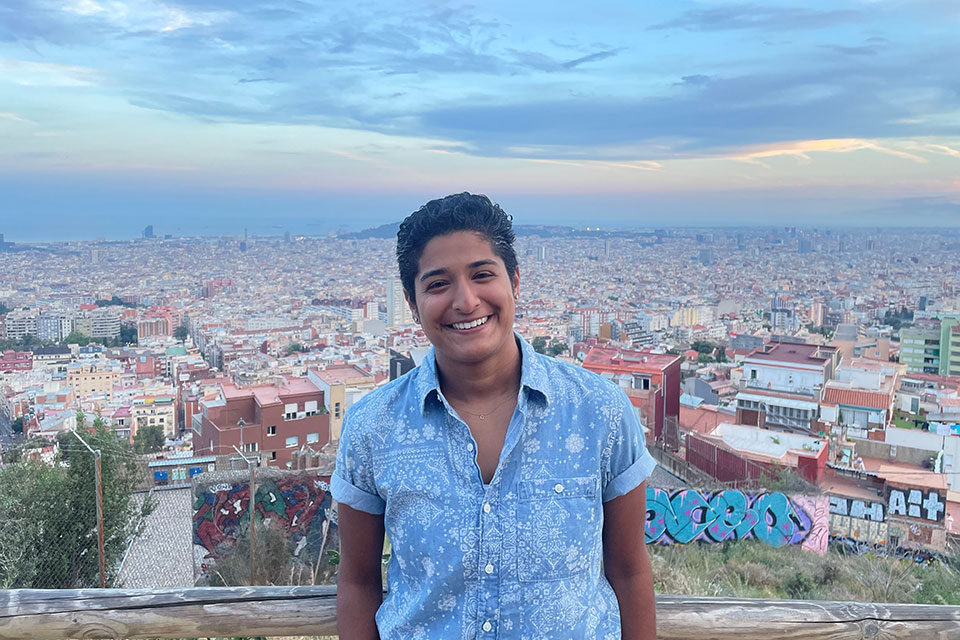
(253, 510)
(99, 484)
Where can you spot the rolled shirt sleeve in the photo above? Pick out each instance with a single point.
(353, 482)
(630, 463)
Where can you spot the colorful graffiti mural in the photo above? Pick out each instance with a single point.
(300, 504)
(687, 515)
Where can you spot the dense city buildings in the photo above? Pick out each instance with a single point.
(833, 353)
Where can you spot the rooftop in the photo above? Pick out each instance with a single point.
(267, 394)
(628, 361)
(764, 443)
(794, 353)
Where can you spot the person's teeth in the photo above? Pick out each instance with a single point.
(469, 325)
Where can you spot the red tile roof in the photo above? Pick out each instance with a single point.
(856, 398)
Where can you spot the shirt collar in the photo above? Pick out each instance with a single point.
(533, 374)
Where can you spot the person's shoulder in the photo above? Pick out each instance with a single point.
(387, 400)
(567, 377)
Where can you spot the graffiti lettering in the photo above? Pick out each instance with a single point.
(913, 504)
(688, 515)
(856, 508)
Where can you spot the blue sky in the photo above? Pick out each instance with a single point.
(208, 116)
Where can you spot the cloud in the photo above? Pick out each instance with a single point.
(801, 149)
(863, 50)
(12, 117)
(46, 74)
(753, 16)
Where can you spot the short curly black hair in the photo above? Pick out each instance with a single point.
(460, 212)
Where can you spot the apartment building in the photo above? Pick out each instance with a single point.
(862, 396)
(782, 385)
(89, 377)
(270, 420)
(342, 386)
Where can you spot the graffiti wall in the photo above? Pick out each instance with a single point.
(858, 521)
(688, 515)
(299, 503)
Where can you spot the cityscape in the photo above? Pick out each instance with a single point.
(829, 352)
(744, 215)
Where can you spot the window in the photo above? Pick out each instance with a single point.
(250, 447)
(313, 437)
(310, 408)
(336, 410)
(272, 430)
(290, 411)
(273, 455)
(292, 441)
(753, 374)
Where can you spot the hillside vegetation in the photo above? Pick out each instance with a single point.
(748, 569)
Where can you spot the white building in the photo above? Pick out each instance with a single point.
(398, 311)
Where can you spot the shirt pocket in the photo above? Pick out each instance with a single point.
(559, 528)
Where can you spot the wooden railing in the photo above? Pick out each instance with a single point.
(311, 611)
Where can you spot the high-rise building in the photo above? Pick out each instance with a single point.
(148, 231)
(706, 257)
(816, 314)
(782, 316)
(21, 323)
(542, 253)
(49, 326)
(105, 322)
(932, 346)
(398, 311)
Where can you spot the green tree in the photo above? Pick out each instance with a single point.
(703, 347)
(75, 337)
(556, 348)
(539, 344)
(49, 514)
(296, 347)
(128, 334)
(149, 439)
(17, 425)
(181, 332)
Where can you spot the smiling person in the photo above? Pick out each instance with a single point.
(510, 484)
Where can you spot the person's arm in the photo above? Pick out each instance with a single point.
(627, 565)
(359, 582)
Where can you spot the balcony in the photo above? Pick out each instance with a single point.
(40, 614)
(813, 393)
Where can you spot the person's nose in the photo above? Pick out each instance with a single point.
(465, 298)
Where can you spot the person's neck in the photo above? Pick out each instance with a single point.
(496, 377)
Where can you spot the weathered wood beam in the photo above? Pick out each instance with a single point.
(308, 611)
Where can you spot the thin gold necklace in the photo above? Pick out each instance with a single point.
(486, 414)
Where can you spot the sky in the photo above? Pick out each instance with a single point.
(205, 117)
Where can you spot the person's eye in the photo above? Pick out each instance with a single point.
(436, 284)
(481, 275)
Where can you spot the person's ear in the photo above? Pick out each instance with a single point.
(413, 307)
(516, 284)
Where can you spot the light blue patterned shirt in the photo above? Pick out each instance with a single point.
(520, 557)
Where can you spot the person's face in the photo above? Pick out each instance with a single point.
(465, 297)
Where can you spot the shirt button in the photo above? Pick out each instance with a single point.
(486, 507)
(488, 569)
(487, 626)
(469, 446)
(558, 488)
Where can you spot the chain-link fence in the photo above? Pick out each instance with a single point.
(54, 497)
(174, 536)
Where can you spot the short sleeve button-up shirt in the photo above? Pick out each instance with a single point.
(519, 557)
